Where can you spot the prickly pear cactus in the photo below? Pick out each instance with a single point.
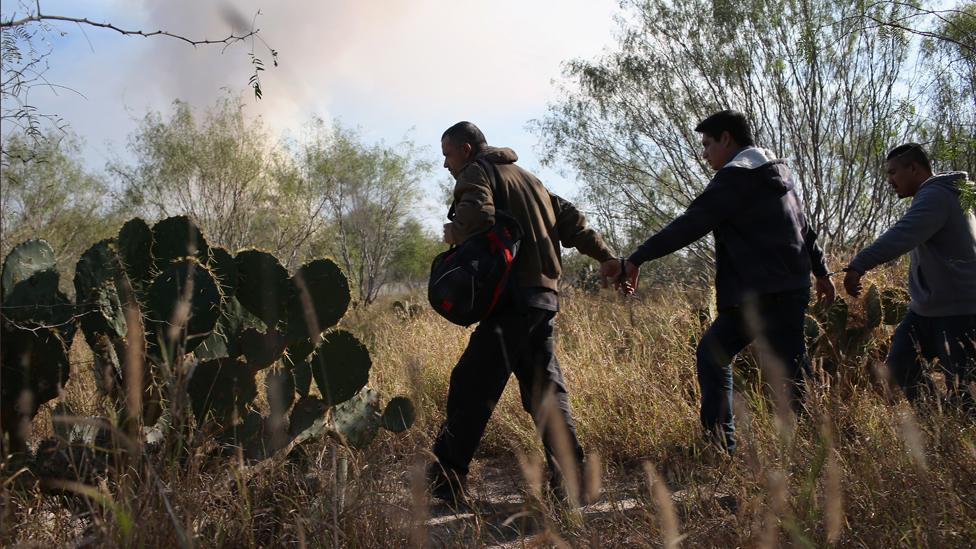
(399, 415)
(135, 244)
(340, 367)
(357, 421)
(152, 296)
(224, 268)
(30, 287)
(221, 389)
(894, 305)
(836, 323)
(319, 296)
(99, 292)
(38, 323)
(263, 287)
(183, 307)
(811, 328)
(174, 238)
(872, 308)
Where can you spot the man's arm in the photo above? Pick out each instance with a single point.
(574, 233)
(817, 261)
(927, 214)
(474, 205)
(715, 204)
(824, 286)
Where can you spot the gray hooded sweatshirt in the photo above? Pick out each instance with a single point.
(941, 240)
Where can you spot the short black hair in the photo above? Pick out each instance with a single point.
(910, 153)
(465, 132)
(733, 122)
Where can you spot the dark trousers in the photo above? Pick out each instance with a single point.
(775, 323)
(520, 341)
(949, 339)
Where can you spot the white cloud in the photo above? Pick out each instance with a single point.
(383, 65)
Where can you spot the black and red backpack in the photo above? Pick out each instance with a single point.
(468, 281)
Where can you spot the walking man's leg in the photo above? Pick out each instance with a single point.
(477, 382)
(783, 345)
(955, 347)
(905, 356)
(725, 338)
(544, 395)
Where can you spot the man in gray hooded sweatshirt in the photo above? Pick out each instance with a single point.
(939, 234)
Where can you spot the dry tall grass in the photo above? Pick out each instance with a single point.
(861, 469)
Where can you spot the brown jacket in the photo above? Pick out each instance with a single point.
(546, 219)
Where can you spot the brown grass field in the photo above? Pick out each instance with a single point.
(861, 469)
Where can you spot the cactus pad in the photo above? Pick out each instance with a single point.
(38, 301)
(225, 270)
(872, 308)
(811, 328)
(261, 349)
(894, 305)
(225, 340)
(279, 388)
(30, 287)
(357, 420)
(221, 388)
(175, 238)
(319, 297)
(97, 292)
(297, 360)
(340, 367)
(26, 259)
(837, 318)
(308, 413)
(135, 243)
(35, 361)
(195, 318)
(399, 414)
(263, 287)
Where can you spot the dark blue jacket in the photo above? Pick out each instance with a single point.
(763, 244)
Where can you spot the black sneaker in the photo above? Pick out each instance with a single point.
(446, 485)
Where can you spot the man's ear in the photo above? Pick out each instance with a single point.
(727, 140)
(466, 149)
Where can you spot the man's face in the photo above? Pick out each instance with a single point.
(904, 178)
(455, 157)
(718, 152)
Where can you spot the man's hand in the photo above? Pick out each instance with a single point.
(610, 271)
(852, 282)
(825, 290)
(449, 233)
(631, 272)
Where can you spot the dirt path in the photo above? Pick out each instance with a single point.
(501, 514)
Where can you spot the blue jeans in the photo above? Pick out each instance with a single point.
(950, 339)
(775, 323)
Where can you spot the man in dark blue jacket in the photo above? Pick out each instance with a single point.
(764, 254)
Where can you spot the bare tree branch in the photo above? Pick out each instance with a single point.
(39, 17)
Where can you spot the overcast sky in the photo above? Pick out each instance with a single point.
(392, 68)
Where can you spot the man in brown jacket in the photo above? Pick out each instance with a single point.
(518, 336)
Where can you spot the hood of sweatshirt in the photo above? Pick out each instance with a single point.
(751, 158)
(949, 181)
(499, 155)
(766, 173)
